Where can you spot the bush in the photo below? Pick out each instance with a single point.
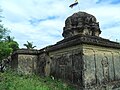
(12, 81)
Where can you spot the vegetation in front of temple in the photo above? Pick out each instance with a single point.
(12, 81)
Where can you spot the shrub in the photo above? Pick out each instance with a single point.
(12, 81)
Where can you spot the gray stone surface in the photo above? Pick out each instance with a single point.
(100, 66)
(81, 23)
(24, 61)
(27, 63)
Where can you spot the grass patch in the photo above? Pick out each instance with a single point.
(12, 81)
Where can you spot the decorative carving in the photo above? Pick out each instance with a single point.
(105, 66)
(81, 23)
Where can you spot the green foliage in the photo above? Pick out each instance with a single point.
(29, 45)
(10, 81)
(14, 45)
(11, 43)
(9, 39)
(7, 44)
(4, 50)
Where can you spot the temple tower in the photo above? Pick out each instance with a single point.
(81, 23)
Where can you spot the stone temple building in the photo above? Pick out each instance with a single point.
(82, 57)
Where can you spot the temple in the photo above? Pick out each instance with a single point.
(82, 58)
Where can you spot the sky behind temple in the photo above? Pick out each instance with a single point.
(42, 21)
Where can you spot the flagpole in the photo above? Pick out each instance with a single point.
(78, 7)
(78, 4)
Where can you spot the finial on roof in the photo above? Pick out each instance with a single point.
(81, 23)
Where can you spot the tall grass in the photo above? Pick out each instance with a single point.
(12, 81)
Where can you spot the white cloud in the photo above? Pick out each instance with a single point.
(109, 19)
(17, 14)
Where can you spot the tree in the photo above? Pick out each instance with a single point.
(14, 45)
(4, 50)
(7, 44)
(29, 45)
(9, 39)
(11, 43)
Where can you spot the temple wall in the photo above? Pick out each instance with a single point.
(14, 62)
(27, 63)
(62, 64)
(90, 67)
(101, 67)
(41, 64)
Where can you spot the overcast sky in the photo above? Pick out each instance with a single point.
(42, 21)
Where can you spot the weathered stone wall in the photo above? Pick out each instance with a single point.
(66, 64)
(14, 62)
(24, 61)
(101, 67)
(90, 67)
(27, 63)
(44, 64)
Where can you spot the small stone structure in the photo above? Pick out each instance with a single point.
(82, 57)
(24, 61)
(81, 23)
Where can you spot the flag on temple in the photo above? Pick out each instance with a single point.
(74, 4)
(76, 0)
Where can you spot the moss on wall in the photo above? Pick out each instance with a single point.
(101, 65)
